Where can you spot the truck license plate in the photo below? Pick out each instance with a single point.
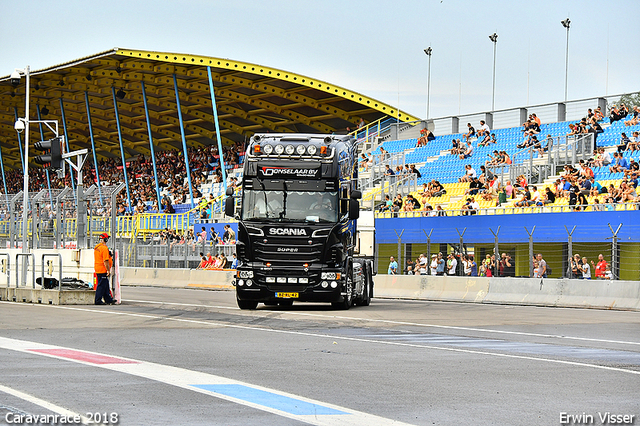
(287, 295)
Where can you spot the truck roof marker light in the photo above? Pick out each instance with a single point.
(256, 149)
(306, 265)
(323, 150)
(268, 265)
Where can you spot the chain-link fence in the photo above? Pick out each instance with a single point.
(512, 251)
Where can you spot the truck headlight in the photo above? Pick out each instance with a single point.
(240, 283)
(271, 279)
(334, 284)
(303, 280)
(245, 274)
(300, 149)
(268, 149)
(279, 149)
(330, 276)
(311, 149)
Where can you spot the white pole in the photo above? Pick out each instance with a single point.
(25, 197)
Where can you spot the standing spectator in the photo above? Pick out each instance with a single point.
(575, 267)
(474, 266)
(543, 265)
(586, 270)
(452, 263)
(441, 264)
(235, 262)
(600, 268)
(433, 266)
(423, 261)
(393, 266)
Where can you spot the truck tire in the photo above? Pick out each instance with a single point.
(246, 304)
(366, 293)
(348, 299)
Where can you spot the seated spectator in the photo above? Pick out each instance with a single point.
(596, 188)
(624, 142)
(635, 119)
(494, 159)
(471, 132)
(633, 172)
(485, 175)
(598, 115)
(634, 142)
(524, 198)
(597, 207)
(474, 187)
(411, 204)
(468, 151)
(397, 203)
(469, 174)
(456, 147)
(426, 135)
(486, 140)
(440, 211)
(387, 205)
(203, 261)
(619, 164)
(470, 207)
(521, 183)
(484, 129)
(617, 114)
(549, 196)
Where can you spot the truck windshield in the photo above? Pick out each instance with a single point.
(292, 206)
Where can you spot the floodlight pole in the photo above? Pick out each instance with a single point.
(494, 39)
(566, 23)
(428, 51)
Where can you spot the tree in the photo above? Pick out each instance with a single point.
(630, 100)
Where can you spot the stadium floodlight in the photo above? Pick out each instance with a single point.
(494, 39)
(428, 51)
(566, 23)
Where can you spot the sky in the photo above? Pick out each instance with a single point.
(371, 47)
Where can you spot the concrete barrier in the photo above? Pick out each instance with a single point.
(601, 294)
(177, 278)
(48, 297)
(460, 289)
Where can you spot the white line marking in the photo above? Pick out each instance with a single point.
(449, 327)
(202, 382)
(353, 339)
(44, 404)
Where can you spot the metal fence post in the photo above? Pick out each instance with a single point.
(461, 239)
(530, 248)
(399, 246)
(569, 249)
(615, 267)
(496, 251)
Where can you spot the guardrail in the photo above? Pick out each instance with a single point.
(59, 256)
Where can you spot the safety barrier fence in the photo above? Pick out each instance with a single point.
(558, 207)
(504, 249)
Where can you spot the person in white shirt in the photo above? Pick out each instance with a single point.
(452, 263)
(536, 198)
(484, 129)
(586, 269)
(434, 264)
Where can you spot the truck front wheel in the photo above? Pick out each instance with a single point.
(348, 298)
(246, 304)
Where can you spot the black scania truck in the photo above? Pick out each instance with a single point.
(297, 236)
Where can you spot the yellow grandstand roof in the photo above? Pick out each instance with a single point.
(250, 98)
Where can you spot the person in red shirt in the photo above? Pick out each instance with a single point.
(601, 267)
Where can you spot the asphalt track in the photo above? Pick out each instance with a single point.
(191, 357)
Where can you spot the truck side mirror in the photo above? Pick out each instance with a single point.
(354, 209)
(356, 194)
(229, 191)
(229, 206)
